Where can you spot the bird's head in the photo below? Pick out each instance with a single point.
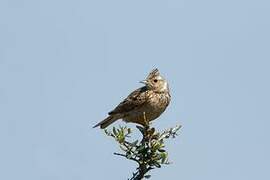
(156, 82)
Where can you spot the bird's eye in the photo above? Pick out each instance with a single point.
(155, 80)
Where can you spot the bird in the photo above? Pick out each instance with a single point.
(143, 105)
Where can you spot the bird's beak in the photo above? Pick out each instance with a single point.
(144, 82)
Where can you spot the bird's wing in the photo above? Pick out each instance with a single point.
(135, 100)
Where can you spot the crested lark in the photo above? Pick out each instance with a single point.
(144, 104)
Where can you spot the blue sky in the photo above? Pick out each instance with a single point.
(65, 64)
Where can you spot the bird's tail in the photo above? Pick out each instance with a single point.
(106, 122)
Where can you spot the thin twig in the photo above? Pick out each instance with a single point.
(123, 155)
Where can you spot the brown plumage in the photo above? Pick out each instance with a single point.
(145, 103)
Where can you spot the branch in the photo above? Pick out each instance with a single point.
(148, 153)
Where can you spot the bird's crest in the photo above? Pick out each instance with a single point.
(153, 73)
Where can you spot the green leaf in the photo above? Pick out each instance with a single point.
(141, 129)
(147, 176)
(114, 131)
(156, 145)
(129, 155)
(161, 150)
(163, 157)
(120, 138)
(157, 165)
(107, 132)
(123, 148)
(141, 148)
(134, 144)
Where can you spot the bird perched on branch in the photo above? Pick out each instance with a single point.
(144, 104)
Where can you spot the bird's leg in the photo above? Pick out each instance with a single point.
(146, 123)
